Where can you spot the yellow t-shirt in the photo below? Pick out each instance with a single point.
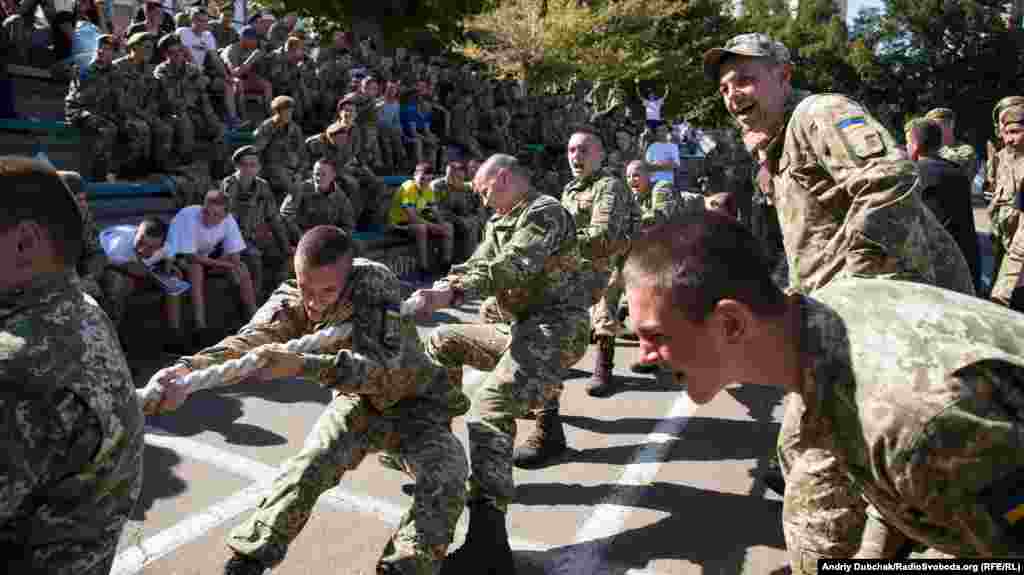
(411, 196)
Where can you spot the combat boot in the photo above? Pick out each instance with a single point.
(244, 565)
(602, 383)
(545, 445)
(486, 550)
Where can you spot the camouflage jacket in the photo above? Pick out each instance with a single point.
(600, 207)
(255, 210)
(843, 191)
(333, 67)
(1006, 181)
(366, 109)
(384, 360)
(288, 78)
(962, 155)
(225, 36)
(662, 203)
(72, 435)
(235, 55)
(464, 203)
(342, 146)
(139, 96)
(93, 259)
(528, 260)
(913, 394)
(180, 89)
(94, 90)
(280, 145)
(311, 208)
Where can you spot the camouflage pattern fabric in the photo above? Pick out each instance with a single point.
(266, 237)
(149, 137)
(183, 103)
(93, 104)
(73, 454)
(602, 210)
(461, 208)
(529, 261)
(843, 190)
(962, 155)
(311, 207)
(93, 259)
(369, 197)
(905, 428)
(1006, 181)
(282, 155)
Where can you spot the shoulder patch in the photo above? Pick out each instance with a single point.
(851, 122)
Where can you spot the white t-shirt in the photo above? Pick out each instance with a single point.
(188, 235)
(653, 108)
(663, 152)
(119, 244)
(198, 45)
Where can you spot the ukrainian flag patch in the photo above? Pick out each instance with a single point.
(851, 122)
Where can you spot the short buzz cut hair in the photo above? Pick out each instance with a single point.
(701, 259)
(504, 162)
(640, 165)
(31, 190)
(324, 245)
(927, 134)
(590, 131)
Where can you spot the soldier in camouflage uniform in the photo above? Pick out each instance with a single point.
(387, 397)
(321, 202)
(1003, 223)
(249, 199)
(183, 102)
(841, 185)
(149, 137)
(93, 259)
(460, 206)
(652, 206)
(904, 409)
(365, 100)
(249, 67)
(224, 32)
(288, 76)
(602, 209)
(1005, 208)
(957, 152)
(530, 261)
(93, 103)
(279, 142)
(333, 63)
(72, 435)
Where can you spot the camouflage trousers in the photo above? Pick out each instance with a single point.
(371, 145)
(370, 199)
(1009, 274)
(348, 430)
(106, 132)
(391, 148)
(147, 139)
(118, 287)
(604, 314)
(491, 312)
(527, 362)
(189, 125)
(266, 263)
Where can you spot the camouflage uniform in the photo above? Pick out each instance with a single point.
(93, 260)
(311, 207)
(281, 152)
(601, 207)
(462, 209)
(235, 55)
(265, 235)
(72, 434)
(93, 103)
(366, 122)
(530, 262)
(387, 397)
(290, 79)
(183, 103)
(843, 191)
(332, 69)
(368, 195)
(224, 35)
(148, 137)
(1007, 184)
(463, 125)
(907, 425)
(962, 155)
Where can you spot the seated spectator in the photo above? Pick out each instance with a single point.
(365, 100)
(250, 201)
(89, 27)
(135, 254)
(288, 75)
(201, 47)
(414, 211)
(279, 31)
(150, 137)
(663, 156)
(206, 239)
(460, 207)
(282, 148)
(224, 32)
(416, 125)
(321, 201)
(389, 127)
(20, 23)
(93, 104)
(151, 17)
(248, 68)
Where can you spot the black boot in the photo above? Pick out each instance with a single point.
(545, 445)
(486, 550)
(243, 565)
(645, 368)
(602, 383)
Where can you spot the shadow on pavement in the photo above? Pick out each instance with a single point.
(212, 411)
(718, 546)
(159, 482)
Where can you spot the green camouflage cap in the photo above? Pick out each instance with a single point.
(1007, 102)
(756, 45)
(940, 114)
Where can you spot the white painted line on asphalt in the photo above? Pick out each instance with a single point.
(608, 518)
(134, 559)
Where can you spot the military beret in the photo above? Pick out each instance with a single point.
(139, 37)
(168, 41)
(1012, 115)
(1002, 105)
(281, 102)
(105, 40)
(756, 45)
(940, 114)
(243, 152)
